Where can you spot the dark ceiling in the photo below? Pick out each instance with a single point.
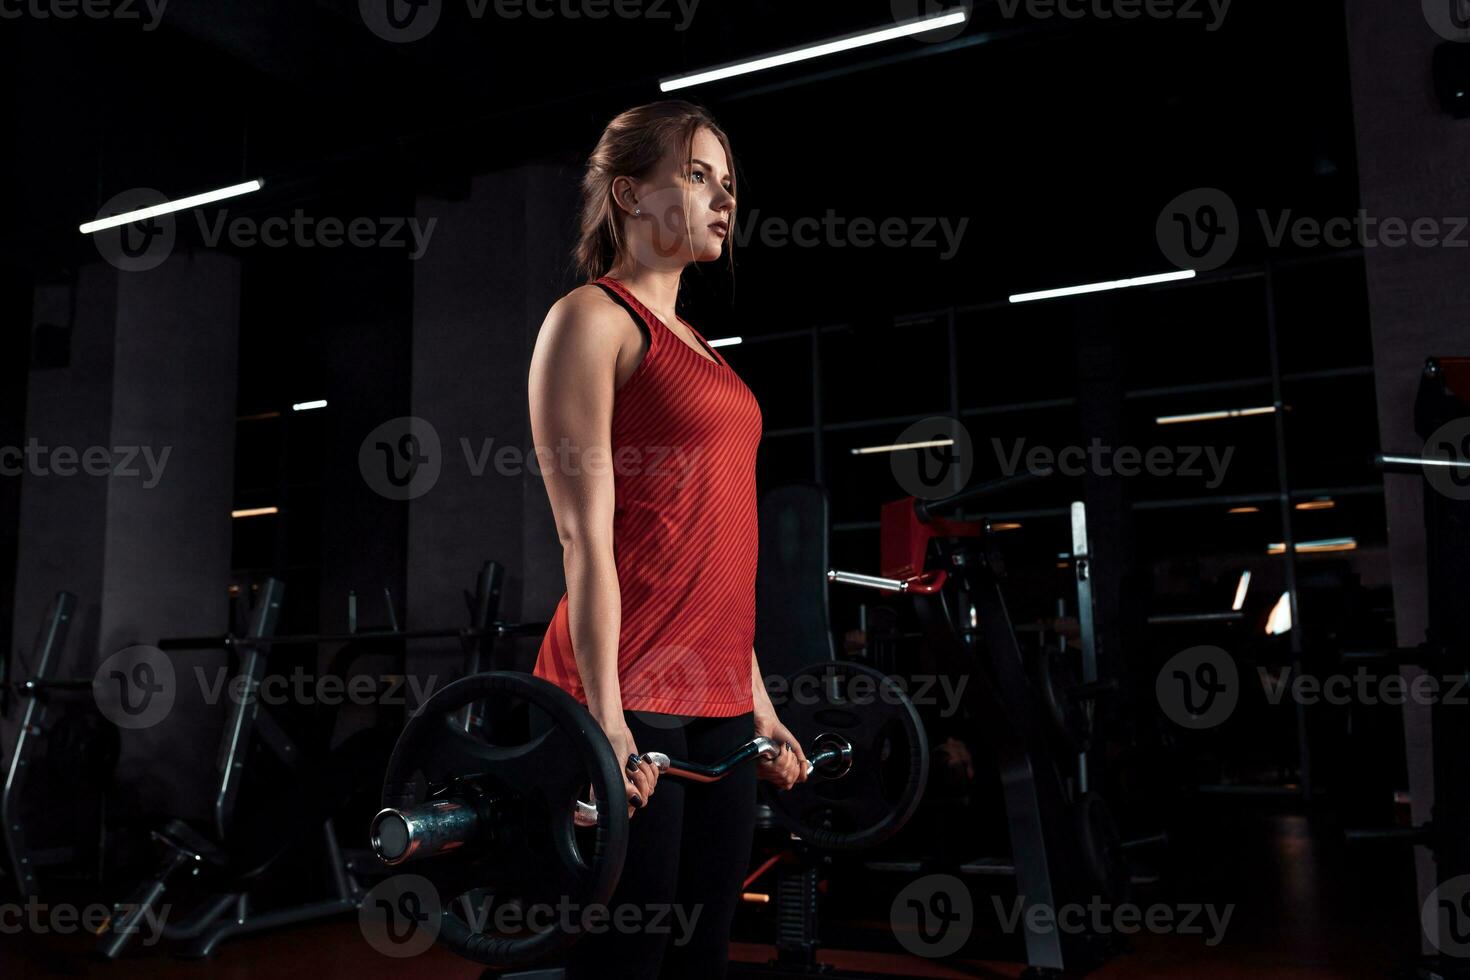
(1058, 138)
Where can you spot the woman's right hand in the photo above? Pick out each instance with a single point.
(638, 784)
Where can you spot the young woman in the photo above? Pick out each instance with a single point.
(647, 441)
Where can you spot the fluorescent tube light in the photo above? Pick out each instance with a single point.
(1101, 287)
(168, 207)
(896, 447)
(1226, 413)
(1241, 588)
(916, 25)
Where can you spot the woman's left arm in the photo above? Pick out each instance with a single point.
(788, 768)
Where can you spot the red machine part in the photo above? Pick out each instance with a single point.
(904, 544)
(1456, 371)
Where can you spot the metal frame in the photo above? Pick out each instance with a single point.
(1283, 495)
(1046, 854)
(1304, 751)
(49, 642)
(245, 716)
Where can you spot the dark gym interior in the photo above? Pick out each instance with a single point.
(1114, 477)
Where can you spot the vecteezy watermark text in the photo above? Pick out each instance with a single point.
(1201, 229)
(835, 231)
(388, 690)
(656, 918)
(138, 686)
(91, 9)
(1103, 918)
(1103, 460)
(42, 918)
(403, 914)
(35, 459)
(145, 244)
(403, 458)
(406, 21)
(921, 690)
(1362, 687)
(308, 231)
(1211, 13)
(1201, 687)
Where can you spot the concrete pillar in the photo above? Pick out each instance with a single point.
(497, 260)
(1410, 164)
(143, 377)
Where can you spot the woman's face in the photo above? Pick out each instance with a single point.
(665, 234)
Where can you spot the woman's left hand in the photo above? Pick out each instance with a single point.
(788, 768)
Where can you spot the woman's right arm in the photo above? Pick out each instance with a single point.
(571, 388)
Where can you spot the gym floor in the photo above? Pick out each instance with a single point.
(1325, 910)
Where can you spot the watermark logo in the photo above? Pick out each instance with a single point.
(400, 21)
(139, 245)
(1199, 229)
(1198, 688)
(406, 21)
(145, 244)
(945, 692)
(904, 11)
(933, 458)
(1445, 917)
(135, 687)
(671, 667)
(660, 230)
(516, 916)
(933, 916)
(1448, 450)
(1450, 19)
(401, 459)
(309, 231)
(401, 916)
(302, 688)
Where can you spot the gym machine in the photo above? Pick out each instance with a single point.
(1442, 418)
(236, 855)
(1065, 847)
(55, 732)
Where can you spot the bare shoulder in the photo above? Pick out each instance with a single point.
(587, 318)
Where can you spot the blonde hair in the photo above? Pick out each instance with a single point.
(631, 146)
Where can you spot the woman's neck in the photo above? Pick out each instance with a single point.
(657, 289)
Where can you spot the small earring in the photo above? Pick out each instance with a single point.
(637, 211)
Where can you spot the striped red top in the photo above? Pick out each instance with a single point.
(684, 436)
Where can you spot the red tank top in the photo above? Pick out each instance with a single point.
(684, 435)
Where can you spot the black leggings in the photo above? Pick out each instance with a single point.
(688, 854)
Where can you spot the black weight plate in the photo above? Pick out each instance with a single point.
(890, 756)
(1102, 848)
(535, 850)
(1055, 680)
